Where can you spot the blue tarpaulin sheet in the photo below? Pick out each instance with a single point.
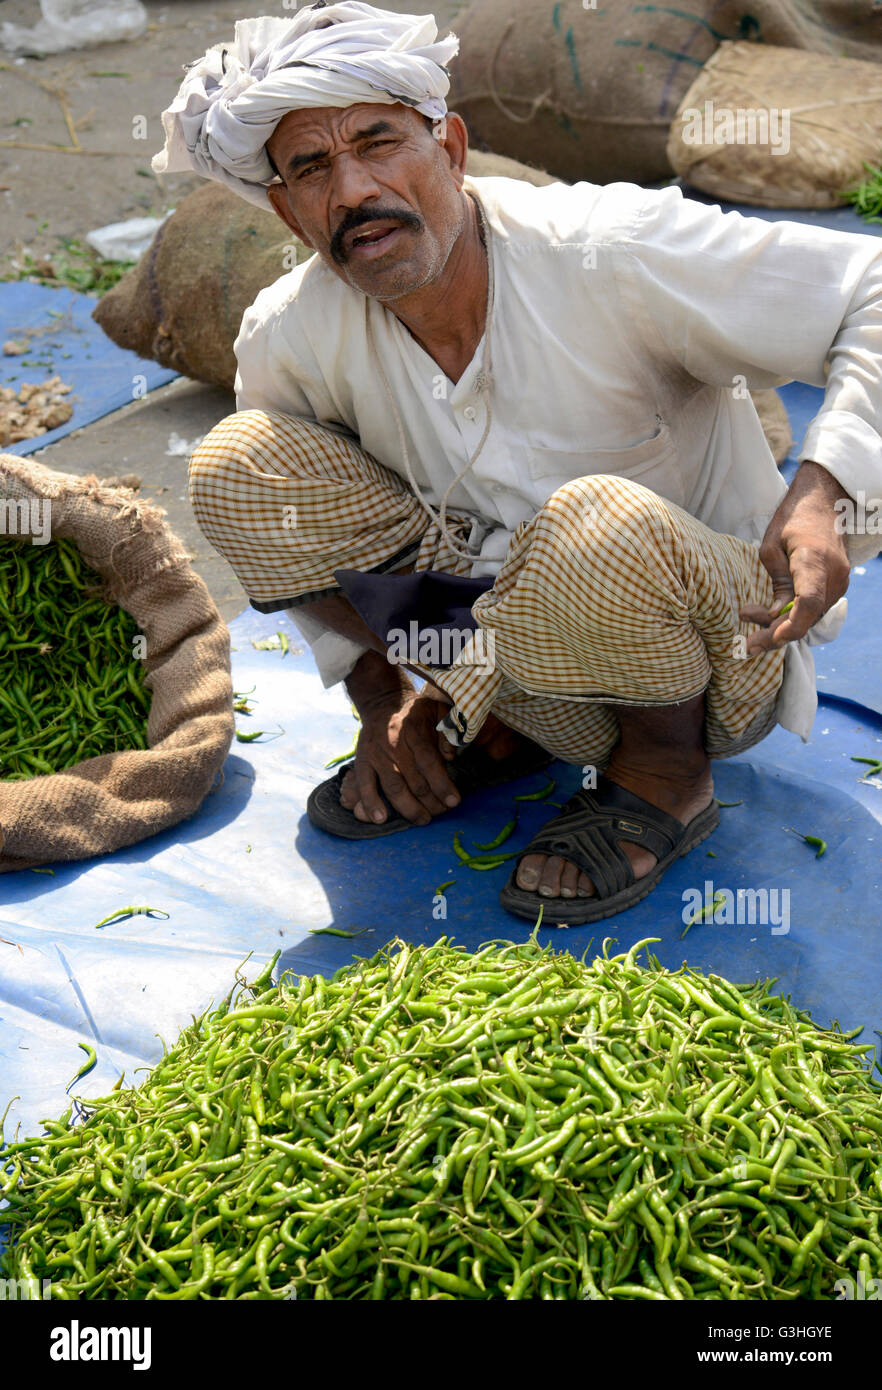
(249, 874)
(63, 340)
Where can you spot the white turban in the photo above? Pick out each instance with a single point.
(231, 100)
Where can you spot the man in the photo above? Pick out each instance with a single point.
(524, 412)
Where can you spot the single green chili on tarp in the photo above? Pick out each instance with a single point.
(814, 840)
(540, 795)
(278, 642)
(335, 931)
(91, 1060)
(704, 912)
(507, 830)
(873, 770)
(122, 913)
(350, 752)
(479, 861)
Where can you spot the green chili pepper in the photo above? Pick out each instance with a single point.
(703, 912)
(540, 795)
(335, 931)
(500, 839)
(874, 768)
(71, 686)
(122, 913)
(813, 840)
(432, 1123)
(92, 1058)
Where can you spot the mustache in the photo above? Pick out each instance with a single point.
(358, 217)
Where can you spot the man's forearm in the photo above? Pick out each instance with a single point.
(336, 613)
(373, 677)
(374, 680)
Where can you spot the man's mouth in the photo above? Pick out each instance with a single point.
(366, 238)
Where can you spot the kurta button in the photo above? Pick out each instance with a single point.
(470, 412)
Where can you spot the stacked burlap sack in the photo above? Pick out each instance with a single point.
(107, 802)
(589, 90)
(777, 127)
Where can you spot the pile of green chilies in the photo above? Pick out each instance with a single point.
(867, 196)
(71, 687)
(431, 1123)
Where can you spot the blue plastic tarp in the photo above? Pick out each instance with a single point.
(63, 340)
(250, 874)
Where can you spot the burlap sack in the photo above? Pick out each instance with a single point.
(183, 302)
(777, 127)
(120, 798)
(589, 91)
(775, 422)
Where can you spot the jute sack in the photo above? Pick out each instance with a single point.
(117, 799)
(775, 422)
(589, 91)
(778, 127)
(182, 304)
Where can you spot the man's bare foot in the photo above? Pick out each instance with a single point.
(682, 795)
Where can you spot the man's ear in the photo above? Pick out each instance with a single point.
(278, 197)
(456, 143)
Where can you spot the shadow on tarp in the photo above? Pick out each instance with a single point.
(223, 804)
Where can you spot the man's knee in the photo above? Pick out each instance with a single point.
(242, 457)
(584, 504)
(241, 442)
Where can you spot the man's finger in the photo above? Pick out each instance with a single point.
(430, 763)
(759, 614)
(809, 572)
(775, 635)
(415, 769)
(369, 800)
(396, 787)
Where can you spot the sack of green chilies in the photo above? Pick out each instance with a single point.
(432, 1123)
(115, 688)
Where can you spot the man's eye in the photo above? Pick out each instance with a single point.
(375, 144)
(310, 169)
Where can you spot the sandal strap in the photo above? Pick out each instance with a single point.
(592, 823)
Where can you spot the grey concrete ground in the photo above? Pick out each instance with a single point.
(93, 97)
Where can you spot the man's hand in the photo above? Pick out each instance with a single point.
(806, 557)
(400, 750)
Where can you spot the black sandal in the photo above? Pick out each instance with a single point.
(587, 833)
(469, 771)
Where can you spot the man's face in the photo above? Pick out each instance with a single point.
(372, 190)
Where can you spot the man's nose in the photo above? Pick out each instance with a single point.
(353, 184)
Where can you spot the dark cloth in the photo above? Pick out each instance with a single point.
(434, 600)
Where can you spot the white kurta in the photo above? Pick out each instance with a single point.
(627, 326)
